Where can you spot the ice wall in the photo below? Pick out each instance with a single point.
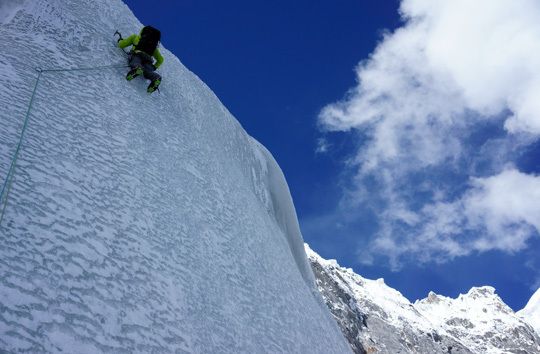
(136, 222)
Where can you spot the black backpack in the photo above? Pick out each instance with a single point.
(149, 41)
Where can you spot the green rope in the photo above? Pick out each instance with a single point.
(6, 188)
(8, 180)
(86, 69)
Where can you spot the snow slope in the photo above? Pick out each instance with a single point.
(136, 222)
(376, 318)
(531, 312)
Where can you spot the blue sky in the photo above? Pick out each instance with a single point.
(420, 165)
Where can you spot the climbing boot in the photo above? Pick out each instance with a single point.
(134, 73)
(153, 85)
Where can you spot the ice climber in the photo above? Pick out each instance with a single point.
(143, 52)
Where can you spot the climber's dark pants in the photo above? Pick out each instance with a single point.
(145, 62)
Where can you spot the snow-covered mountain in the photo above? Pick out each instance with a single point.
(378, 319)
(531, 312)
(481, 320)
(135, 222)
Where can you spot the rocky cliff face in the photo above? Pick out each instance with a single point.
(378, 319)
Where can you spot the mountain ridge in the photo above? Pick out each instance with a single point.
(531, 311)
(383, 320)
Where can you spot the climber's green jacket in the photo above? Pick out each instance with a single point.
(134, 40)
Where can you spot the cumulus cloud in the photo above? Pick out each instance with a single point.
(500, 211)
(451, 55)
(423, 100)
(504, 204)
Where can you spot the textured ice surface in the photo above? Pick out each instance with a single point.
(136, 222)
(8, 9)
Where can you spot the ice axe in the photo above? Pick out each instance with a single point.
(119, 39)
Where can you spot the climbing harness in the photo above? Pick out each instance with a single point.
(6, 187)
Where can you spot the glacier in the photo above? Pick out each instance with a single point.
(136, 222)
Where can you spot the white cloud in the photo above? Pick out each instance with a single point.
(454, 66)
(497, 213)
(508, 206)
(322, 146)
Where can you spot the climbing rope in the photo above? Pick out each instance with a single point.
(86, 69)
(6, 187)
